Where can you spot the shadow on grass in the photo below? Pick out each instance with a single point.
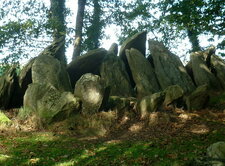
(47, 149)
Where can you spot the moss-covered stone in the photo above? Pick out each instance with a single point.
(4, 120)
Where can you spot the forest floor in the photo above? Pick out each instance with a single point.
(178, 142)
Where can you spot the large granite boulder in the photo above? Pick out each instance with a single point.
(137, 41)
(150, 104)
(198, 98)
(189, 70)
(87, 63)
(216, 154)
(25, 76)
(201, 72)
(143, 73)
(48, 104)
(172, 93)
(218, 65)
(121, 103)
(115, 76)
(93, 93)
(7, 86)
(168, 68)
(48, 70)
(113, 49)
(56, 49)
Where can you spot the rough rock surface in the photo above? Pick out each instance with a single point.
(143, 73)
(7, 86)
(115, 76)
(201, 72)
(48, 70)
(218, 65)
(56, 49)
(93, 93)
(87, 63)
(137, 41)
(198, 98)
(48, 104)
(25, 76)
(150, 103)
(216, 152)
(168, 68)
(120, 103)
(113, 49)
(172, 93)
(189, 70)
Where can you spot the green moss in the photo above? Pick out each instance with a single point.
(4, 120)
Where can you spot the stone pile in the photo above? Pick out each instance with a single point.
(158, 82)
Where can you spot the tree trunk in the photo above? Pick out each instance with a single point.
(79, 26)
(193, 38)
(95, 29)
(58, 24)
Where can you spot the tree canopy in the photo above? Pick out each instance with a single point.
(28, 26)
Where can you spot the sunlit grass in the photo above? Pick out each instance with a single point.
(46, 149)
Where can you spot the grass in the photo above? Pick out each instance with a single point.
(177, 143)
(45, 148)
(4, 121)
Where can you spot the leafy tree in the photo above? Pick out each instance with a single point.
(94, 31)
(22, 29)
(196, 17)
(170, 21)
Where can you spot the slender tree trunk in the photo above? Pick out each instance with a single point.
(79, 26)
(59, 29)
(193, 38)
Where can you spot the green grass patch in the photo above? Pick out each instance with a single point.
(4, 120)
(44, 148)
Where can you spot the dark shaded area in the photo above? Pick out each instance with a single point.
(87, 63)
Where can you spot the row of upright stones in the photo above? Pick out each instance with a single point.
(52, 91)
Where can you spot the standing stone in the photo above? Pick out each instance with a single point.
(113, 49)
(150, 103)
(198, 99)
(218, 64)
(87, 63)
(201, 72)
(25, 76)
(172, 93)
(92, 92)
(115, 76)
(48, 104)
(48, 70)
(216, 154)
(137, 41)
(143, 73)
(189, 70)
(7, 86)
(168, 68)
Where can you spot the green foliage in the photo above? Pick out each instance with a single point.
(169, 21)
(95, 21)
(22, 28)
